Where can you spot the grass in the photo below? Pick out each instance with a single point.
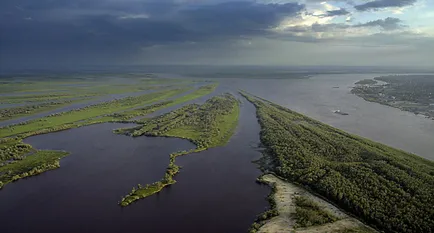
(308, 213)
(17, 160)
(208, 125)
(110, 107)
(201, 91)
(28, 110)
(31, 165)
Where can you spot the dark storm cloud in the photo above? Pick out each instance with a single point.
(109, 24)
(378, 4)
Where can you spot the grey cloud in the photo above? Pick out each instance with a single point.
(387, 24)
(339, 12)
(378, 4)
(99, 25)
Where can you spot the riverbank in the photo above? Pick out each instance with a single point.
(207, 126)
(284, 197)
(380, 185)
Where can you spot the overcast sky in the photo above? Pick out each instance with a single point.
(254, 32)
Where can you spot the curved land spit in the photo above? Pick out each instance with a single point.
(285, 221)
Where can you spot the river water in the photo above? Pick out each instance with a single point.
(318, 97)
(216, 189)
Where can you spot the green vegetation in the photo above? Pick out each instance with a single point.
(268, 214)
(19, 160)
(28, 110)
(412, 93)
(387, 188)
(13, 149)
(366, 82)
(208, 125)
(64, 118)
(127, 115)
(309, 213)
(30, 165)
(356, 230)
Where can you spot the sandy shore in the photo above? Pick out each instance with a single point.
(284, 222)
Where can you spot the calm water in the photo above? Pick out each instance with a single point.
(216, 189)
(317, 98)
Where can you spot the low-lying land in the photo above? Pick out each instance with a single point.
(105, 108)
(19, 160)
(388, 189)
(30, 165)
(413, 93)
(208, 125)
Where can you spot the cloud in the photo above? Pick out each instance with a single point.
(387, 24)
(339, 12)
(378, 4)
(134, 16)
(101, 30)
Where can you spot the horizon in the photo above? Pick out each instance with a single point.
(74, 33)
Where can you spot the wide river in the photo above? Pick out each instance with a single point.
(318, 97)
(216, 189)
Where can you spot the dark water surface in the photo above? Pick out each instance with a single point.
(216, 189)
(215, 192)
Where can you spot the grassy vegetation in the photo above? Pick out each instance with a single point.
(13, 149)
(309, 213)
(127, 115)
(64, 118)
(14, 154)
(388, 188)
(28, 110)
(208, 125)
(30, 165)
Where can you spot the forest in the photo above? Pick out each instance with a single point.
(387, 188)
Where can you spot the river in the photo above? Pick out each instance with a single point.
(216, 189)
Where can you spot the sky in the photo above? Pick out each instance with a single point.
(217, 32)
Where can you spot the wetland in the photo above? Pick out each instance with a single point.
(190, 151)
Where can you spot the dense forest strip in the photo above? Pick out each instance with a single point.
(412, 93)
(30, 165)
(208, 125)
(100, 109)
(388, 188)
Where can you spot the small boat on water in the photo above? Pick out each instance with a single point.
(340, 112)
